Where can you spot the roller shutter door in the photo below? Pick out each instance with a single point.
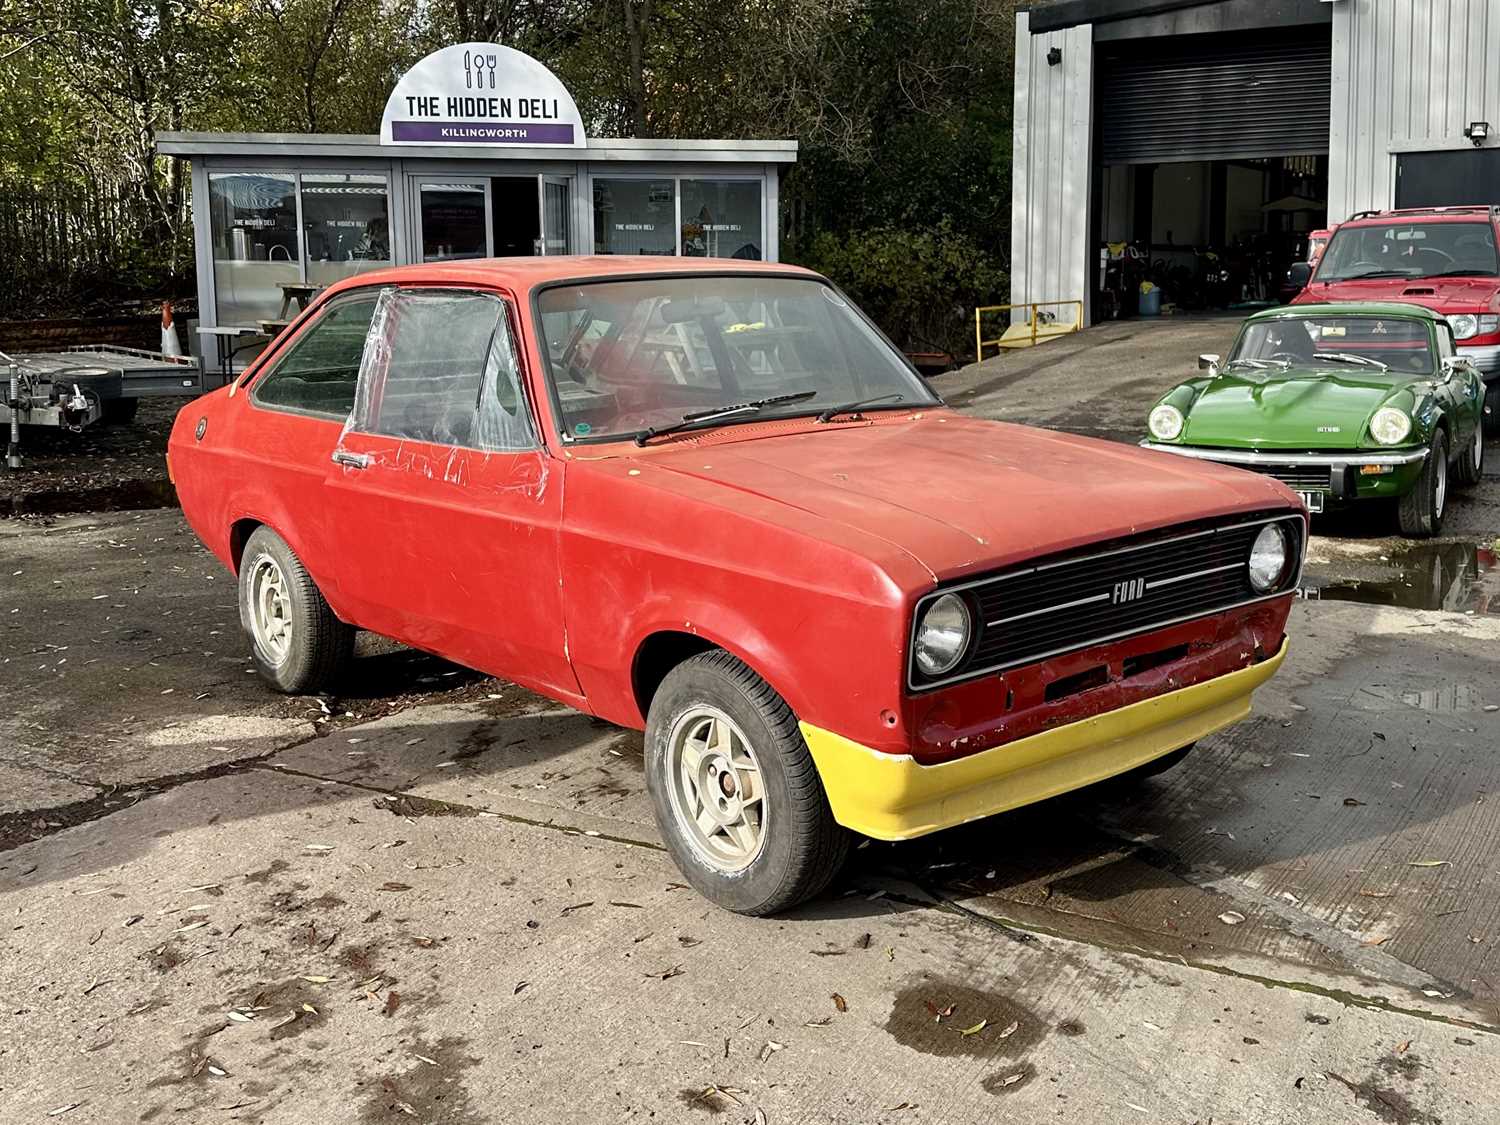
(1215, 97)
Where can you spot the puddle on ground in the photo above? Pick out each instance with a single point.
(932, 1016)
(1457, 577)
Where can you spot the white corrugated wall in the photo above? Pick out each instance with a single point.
(1053, 140)
(1408, 75)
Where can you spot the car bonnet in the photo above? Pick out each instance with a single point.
(963, 495)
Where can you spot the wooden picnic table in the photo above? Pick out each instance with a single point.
(300, 292)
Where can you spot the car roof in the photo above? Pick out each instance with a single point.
(1456, 214)
(1388, 309)
(526, 273)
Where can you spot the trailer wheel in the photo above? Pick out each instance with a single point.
(120, 411)
(296, 642)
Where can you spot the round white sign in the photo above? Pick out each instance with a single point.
(481, 94)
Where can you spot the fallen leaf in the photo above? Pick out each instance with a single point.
(317, 847)
(240, 1017)
(666, 974)
(976, 1029)
(318, 980)
(1231, 917)
(62, 1109)
(1428, 863)
(1402, 1046)
(1378, 894)
(391, 886)
(392, 1002)
(189, 926)
(1012, 1079)
(425, 1059)
(821, 1021)
(862, 942)
(839, 1002)
(1010, 1029)
(519, 986)
(1352, 802)
(770, 1049)
(1381, 940)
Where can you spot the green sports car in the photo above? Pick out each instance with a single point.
(1340, 402)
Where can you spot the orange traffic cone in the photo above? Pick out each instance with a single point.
(170, 344)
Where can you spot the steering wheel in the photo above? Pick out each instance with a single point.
(1366, 262)
(1289, 357)
(1447, 257)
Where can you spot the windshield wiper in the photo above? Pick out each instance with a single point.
(850, 407)
(1258, 364)
(1371, 273)
(1461, 273)
(1350, 357)
(751, 407)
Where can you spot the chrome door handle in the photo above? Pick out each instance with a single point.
(351, 460)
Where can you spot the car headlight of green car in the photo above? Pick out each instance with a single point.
(1390, 426)
(1165, 422)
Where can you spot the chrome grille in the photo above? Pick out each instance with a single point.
(1060, 605)
(1301, 478)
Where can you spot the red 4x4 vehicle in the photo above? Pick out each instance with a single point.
(1445, 258)
(710, 500)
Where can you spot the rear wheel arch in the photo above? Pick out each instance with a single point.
(239, 534)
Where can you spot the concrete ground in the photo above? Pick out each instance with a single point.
(438, 898)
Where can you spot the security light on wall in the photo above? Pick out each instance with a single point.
(1477, 132)
(1054, 56)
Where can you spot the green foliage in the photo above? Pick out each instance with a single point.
(920, 284)
(901, 109)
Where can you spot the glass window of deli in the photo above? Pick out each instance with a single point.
(635, 216)
(346, 226)
(254, 222)
(722, 219)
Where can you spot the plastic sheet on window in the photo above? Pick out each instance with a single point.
(440, 373)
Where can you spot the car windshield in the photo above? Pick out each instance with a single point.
(1335, 343)
(631, 356)
(1417, 249)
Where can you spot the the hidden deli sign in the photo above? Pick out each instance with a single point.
(481, 94)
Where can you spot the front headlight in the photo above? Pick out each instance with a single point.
(1464, 325)
(942, 635)
(1165, 422)
(1390, 426)
(1268, 558)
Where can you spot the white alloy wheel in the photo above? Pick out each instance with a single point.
(270, 609)
(714, 784)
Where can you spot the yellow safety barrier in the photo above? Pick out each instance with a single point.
(1027, 335)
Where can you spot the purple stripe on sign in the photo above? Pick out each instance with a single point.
(483, 132)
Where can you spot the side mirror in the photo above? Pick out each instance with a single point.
(1299, 275)
(1457, 365)
(1209, 362)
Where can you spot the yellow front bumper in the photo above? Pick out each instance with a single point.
(893, 797)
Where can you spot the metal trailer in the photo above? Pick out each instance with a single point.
(76, 387)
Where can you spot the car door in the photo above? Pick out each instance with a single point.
(1457, 393)
(447, 507)
(296, 409)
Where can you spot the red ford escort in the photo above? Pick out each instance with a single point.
(712, 501)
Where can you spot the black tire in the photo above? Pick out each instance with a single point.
(1492, 409)
(1420, 512)
(1153, 767)
(318, 646)
(119, 411)
(803, 847)
(1468, 468)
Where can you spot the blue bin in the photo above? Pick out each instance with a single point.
(1151, 303)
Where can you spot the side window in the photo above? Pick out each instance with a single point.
(318, 372)
(442, 368)
(1445, 342)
